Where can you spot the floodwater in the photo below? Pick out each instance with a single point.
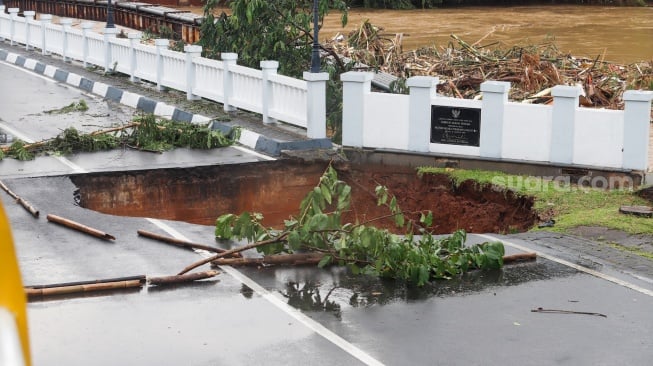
(620, 34)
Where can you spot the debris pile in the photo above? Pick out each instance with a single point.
(532, 69)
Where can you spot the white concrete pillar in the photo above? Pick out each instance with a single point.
(268, 68)
(134, 39)
(45, 20)
(2, 11)
(191, 53)
(29, 17)
(86, 28)
(109, 33)
(565, 105)
(422, 90)
(637, 125)
(355, 86)
(495, 97)
(227, 80)
(13, 14)
(65, 24)
(316, 104)
(160, 44)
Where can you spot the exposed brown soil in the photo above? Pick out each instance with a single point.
(468, 206)
(199, 195)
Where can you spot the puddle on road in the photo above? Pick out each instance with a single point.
(333, 290)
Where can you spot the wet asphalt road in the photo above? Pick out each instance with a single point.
(249, 316)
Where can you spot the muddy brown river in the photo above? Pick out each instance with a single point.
(621, 34)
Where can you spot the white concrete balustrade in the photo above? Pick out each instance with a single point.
(562, 133)
(276, 97)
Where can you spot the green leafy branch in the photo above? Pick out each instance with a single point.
(363, 248)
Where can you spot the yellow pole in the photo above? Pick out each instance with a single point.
(12, 294)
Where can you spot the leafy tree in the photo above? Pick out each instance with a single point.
(257, 30)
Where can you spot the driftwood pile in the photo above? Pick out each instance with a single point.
(532, 70)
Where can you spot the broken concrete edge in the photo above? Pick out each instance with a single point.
(248, 138)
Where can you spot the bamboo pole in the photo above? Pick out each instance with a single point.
(26, 205)
(80, 227)
(63, 290)
(141, 278)
(169, 280)
(183, 243)
(281, 259)
(507, 259)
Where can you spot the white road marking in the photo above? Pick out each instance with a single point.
(573, 265)
(244, 149)
(279, 302)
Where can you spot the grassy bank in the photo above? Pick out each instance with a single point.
(568, 204)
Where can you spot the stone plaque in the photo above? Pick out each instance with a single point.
(455, 125)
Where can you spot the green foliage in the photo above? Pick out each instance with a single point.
(363, 248)
(147, 133)
(260, 30)
(80, 106)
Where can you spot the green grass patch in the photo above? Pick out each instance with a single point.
(569, 204)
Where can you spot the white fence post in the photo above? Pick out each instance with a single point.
(65, 23)
(316, 104)
(565, 105)
(134, 39)
(2, 11)
(637, 125)
(422, 90)
(13, 14)
(86, 28)
(495, 97)
(45, 20)
(160, 44)
(355, 85)
(29, 16)
(227, 60)
(192, 52)
(267, 68)
(108, 58)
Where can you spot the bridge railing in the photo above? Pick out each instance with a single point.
(275, 97)
(562, 133)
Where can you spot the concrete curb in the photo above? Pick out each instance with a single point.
(248, 138)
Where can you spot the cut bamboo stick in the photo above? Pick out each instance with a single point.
(183, 243)
(169, 280)
(141, 278)
(80, 227)
(26, 205)
(507, 259)
(63, 290)
(280, 259)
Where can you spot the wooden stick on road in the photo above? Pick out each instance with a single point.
(73, 289)
(26, 205)
(80, 227)
(183, 243)
(278, 259)
(169, 280)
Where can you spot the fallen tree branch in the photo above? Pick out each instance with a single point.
(182, 243)
(169, 280)
(90, 282)
(80, 227)
(278, 259)
(232, 251)
(557, 311)
(26, 205)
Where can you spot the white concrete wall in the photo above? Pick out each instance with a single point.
(598, 137)
(527, 132)
(386, 122)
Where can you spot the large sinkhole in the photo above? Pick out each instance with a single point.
(200, 194)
